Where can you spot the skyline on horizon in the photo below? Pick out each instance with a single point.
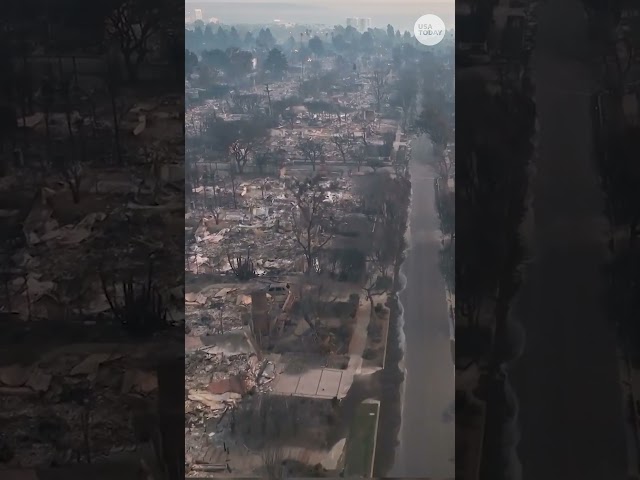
(401, 15)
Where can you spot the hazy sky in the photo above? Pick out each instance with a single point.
(401, 13)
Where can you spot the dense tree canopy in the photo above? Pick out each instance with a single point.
(316, 46)
(276, 62)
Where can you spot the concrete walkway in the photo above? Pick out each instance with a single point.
(330, 382)
(328, 459)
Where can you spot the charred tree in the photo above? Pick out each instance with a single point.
(140, 309)
(242, 267)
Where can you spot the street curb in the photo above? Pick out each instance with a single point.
(375, 434)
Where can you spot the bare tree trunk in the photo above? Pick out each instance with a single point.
(309, 262)
(116, 125)
(131, 67)
(74, 186)
(86, 426)
(47, 131)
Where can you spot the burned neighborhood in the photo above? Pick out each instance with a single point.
(298, 153)
(303, 326)
(91, 187)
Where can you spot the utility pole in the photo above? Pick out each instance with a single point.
(268, 98)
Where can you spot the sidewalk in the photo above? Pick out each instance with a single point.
(328, 459)
(327, 382)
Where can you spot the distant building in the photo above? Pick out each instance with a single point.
(198, 14)
(361, 24)
(364, 24)
(214, 20)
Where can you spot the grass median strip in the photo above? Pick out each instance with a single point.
(361, 440)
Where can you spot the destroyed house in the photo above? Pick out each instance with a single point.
(233, 384)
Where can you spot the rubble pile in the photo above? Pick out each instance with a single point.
(264, 342)
(48, 409)
(111, 218)
(74, 222)
(217, 382)
(215, 312)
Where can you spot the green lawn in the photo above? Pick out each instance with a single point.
(361, 441)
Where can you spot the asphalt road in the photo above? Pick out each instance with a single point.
(427, 434)
(570, 406)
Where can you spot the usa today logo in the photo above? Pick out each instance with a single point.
(429, 30)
